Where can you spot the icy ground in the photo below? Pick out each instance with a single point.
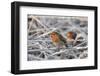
(39, 43)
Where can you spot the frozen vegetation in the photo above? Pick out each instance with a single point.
(40, 46)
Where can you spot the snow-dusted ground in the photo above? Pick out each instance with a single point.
(40, 46)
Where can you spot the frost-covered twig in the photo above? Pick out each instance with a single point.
(36, 30)
(40, 23)
(78, 35)
(80, 47)
(62, 51)
(34, 57)
(46, 33)
(80, 44)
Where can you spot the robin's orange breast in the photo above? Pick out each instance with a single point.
(54, 37)
(70, 35)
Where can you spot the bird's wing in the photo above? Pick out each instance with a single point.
(63, 39)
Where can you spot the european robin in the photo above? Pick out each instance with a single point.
(70, 38)
(58, 40)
